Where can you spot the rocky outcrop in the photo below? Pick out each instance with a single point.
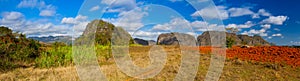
(104, 33)
(175, 39)
(144, 42)
(205, 39)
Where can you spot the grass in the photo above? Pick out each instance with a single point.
(55, 57)
(234, 69)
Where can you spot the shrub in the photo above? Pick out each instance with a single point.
(229, 42)
(16, 50)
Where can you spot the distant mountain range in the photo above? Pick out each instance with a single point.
(52, 39)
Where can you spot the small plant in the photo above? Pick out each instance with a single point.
(229, 42)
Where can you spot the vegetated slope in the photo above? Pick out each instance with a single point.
(16, 50)
(53, 39)
(104, 33)
(205, 39)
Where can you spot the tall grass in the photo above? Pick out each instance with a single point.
(55, 57)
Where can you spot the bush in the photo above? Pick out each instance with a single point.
(229, 42)
(16, 50)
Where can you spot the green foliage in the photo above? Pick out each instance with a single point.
(55, 57)
(103, 51)
(229, 42)
(16, 51)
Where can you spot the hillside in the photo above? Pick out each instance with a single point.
(204, 39)
(52, 39)
(104, 32)
(16, 50)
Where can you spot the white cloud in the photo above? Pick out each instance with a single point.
(175, 0)
(236, 12)
(212, 13)
(146, 34)
(266, 26)
(263, 12)
(129, 20)
(174, 24)
(119, 5)
(78, 23)
(276, 29)
(184, 26)
(17, 22)
(277, 35)
(295, 42)
(107, 2)
(75, 20)
(95, 8)
(261, 32)
(277, 20)
(47, 13)
(247, 24)
(12, 18)
(45, 10)
(31, 4)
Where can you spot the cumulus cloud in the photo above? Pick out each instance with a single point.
(225, 13)
(12, 18)
(95, 8)
(266, 26)
(247, 24)
(276, 29)
(277, 35)
(129, 20)
(295, 42)
(78, 23)
(71, 20)
(119, 5)
(17, 22)
(45, 10)
(235, 12)
(263, 12)
(47, 13)
(261, 32)
(184, 26)
(31, 4)
(172, 25)
(146, 34)
(277, 20)
(212, 13)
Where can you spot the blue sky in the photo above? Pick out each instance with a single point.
(276, 21)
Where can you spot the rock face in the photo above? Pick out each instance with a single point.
(204, 39)
(144, 42)
(173, 39)
(104, 33)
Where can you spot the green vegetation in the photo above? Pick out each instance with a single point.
(55, 57)
(16, 50)
(229, 42)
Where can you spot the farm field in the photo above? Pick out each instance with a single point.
(246, 64)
